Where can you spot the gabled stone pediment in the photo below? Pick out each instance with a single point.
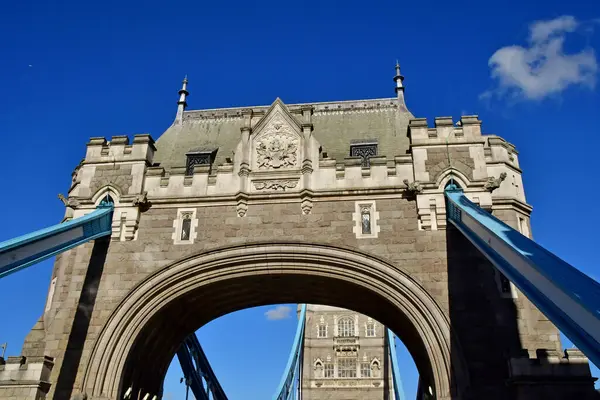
(277, 140)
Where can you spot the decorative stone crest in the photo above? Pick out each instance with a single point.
(494, 183)
(277, 148)
(276, 184)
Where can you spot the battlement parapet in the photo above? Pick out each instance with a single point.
(571, 363)
(23, 369)
(467, 130)
(119, 149)
(498, 150)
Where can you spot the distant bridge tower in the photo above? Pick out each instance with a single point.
(346, 356)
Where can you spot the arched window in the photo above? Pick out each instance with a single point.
(346, 327)
(107, 199)
(453, 182)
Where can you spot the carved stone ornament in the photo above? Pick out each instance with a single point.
(141, 201)
(276, 184)
(494, 183)
(277, 148)
(413, 187)
(70, 202)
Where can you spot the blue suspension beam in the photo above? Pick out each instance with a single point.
(397, 381)
(198, 372)
(568, 297)
(293, 368)
(26, 250)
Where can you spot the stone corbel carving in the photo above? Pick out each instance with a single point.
(494, 183)
(141, 201)
(242, 205)
(306, 203)
(413, 187)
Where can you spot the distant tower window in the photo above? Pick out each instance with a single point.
(365, 370)
(328, 370)
(346, 327)
(370, 331)
(365, 219)
(346, 368)
(322, 331)
(364, 150)
(199, 157)
(186, 226)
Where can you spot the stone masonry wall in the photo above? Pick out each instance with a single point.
(467, 290)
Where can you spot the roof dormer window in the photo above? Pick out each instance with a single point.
(365, 149)
(199, 156)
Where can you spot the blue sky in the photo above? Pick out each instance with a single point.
(71, 70)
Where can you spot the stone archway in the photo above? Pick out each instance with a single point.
(142, 334)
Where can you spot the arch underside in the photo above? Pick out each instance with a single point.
(140, 338)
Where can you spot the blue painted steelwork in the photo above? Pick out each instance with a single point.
(293, 368)
(26, 250)
(198, 372)
(397, 381)
(569, 298)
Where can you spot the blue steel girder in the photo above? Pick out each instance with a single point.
(24, 251)
(197, 370)
(293, 367)
(397, 381)
(568, 297)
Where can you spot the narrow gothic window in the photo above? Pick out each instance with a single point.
(365, 370)
(365, 219)
(346, 327)
(328, 370)
(365, 151)
(347, 368)
(322, 331)
(186, 226)
(370, 329)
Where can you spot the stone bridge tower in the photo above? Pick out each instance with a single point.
(336, 203)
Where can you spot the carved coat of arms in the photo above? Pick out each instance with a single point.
(279, 150)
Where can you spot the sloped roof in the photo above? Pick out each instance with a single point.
(336, 126)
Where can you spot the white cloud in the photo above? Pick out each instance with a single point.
(279, 312)
(543, 68)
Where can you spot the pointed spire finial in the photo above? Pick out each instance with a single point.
(182, 103)
(398, 78)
